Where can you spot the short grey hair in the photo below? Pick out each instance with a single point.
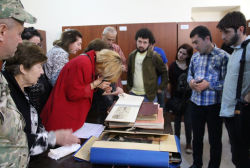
(109, 29)
(10, 22)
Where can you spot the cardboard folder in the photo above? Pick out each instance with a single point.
(131, 153)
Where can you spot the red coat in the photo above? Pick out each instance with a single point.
(71, 97)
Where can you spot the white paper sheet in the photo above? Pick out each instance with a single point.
(63, 151)
(88, 130)
(129, 100)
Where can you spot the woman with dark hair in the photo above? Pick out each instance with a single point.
(32, 35)
(38, 93)
(72, 95)
(21, 72)
(178, 71)
(69, 43)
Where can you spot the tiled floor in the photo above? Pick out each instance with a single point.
(187, 159)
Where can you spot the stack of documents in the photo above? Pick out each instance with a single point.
(150, 124)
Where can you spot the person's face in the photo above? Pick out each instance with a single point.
(76, 46)
(202, 46)
(10, 38)
(31, 76)
(182, 54)
(142, 44)
(36, 40)
(109, 38)
(229, 36)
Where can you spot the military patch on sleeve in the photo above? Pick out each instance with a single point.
(1, 118)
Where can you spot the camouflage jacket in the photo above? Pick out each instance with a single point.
(13, 141)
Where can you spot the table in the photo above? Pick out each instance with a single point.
(43, 161)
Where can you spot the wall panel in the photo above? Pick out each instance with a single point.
(89, 33)
(166, 38)
(248, 27)
(43, 34)
(183, 33)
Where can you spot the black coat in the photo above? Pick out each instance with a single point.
(23, 105)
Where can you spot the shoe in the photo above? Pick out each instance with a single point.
(189, 149)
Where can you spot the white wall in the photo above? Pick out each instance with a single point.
(53, 14)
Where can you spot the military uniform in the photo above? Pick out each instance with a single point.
(13, 141)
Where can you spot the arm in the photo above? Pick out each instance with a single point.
(247, 97)
(166, 65)
(129, 74)
(190, 77)
(218, 85)
(171, 74)
(59, 60)
(161, 69)
(124, 61)
(118, 91)
(76, 86)
(40, 142)
(164, 58)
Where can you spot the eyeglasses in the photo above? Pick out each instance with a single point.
(40, 45)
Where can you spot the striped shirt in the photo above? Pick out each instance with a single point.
(116, 48)
(211, 67)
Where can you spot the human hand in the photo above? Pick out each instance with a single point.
(247, 97)
(118, 91)
(191, 84)
(159, 91)
(65, 137)
(102, 84)
(124, 69)
(201, 86)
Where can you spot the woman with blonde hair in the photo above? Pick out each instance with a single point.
(72, 95)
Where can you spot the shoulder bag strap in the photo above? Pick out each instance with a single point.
(91, 63)
(241, 71)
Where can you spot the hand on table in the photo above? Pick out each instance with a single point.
(65, 137)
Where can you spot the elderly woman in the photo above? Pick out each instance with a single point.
(40, 92)
(23, 70)
(71, 97)
(69, 43)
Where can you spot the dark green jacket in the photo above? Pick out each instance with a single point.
(150, 77)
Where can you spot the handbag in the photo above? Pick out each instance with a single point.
(242, 108)
(175, 104)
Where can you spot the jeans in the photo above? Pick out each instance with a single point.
(187, 122)
(200, 116)
(239, 149)
(161, 100)
(145, 97)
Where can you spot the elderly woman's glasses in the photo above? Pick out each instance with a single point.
(40, 45)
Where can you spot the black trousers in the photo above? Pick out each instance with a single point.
(200, 116)
(239, 149)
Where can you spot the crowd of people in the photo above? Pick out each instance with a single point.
(44, 98)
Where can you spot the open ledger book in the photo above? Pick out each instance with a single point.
(125, 109)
